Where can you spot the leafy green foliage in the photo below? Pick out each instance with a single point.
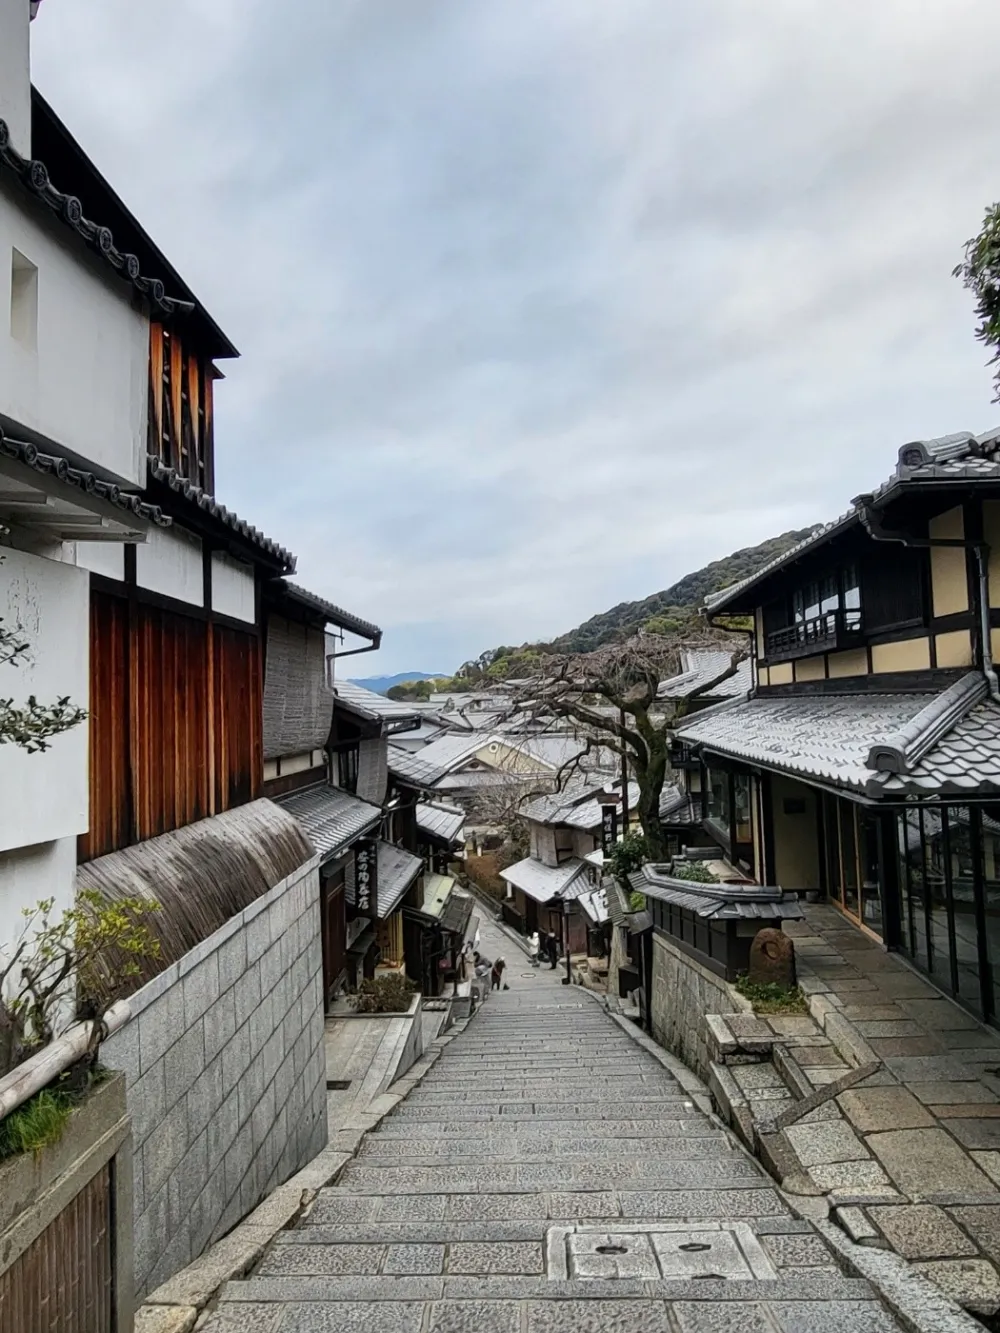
(692, 870)
(383, 995)
(770, 997)
(637, 901)
(980, 274)
(32, 725)
(627, 855)
(70, 966)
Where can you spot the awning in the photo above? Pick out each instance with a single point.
(330, 818)
(397, 869)
(437, 889)
(440, 821)
(458, 912)
(542, 882)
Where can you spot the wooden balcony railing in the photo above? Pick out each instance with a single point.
(831, 630)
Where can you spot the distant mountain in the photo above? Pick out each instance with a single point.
(668, 610)
(674, 610)
(382, 684)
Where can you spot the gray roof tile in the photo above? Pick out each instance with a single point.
(330, 818)
(440, 820)
(543, 882)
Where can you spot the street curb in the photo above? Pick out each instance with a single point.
(917, 1302)
(176, 1305)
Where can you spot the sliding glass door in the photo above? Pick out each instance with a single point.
(851, 861)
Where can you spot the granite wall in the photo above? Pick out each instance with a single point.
(683, 992)
(226, 1075)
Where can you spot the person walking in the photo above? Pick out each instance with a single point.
(534, 948)
(496, 976)
(552, 950)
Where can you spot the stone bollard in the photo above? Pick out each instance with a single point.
(772, 958)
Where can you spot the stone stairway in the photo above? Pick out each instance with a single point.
(549, 1174)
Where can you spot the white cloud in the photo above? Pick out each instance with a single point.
(544, 305)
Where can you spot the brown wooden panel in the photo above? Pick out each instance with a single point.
(238, 717)
(109, 728)
(63, 1281)
(195, 470)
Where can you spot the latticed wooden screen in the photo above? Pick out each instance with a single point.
(63, 1282)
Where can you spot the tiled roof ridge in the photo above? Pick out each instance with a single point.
(719, 892)
(197, 495)
(34, 176)
(902, 751)
(61, 468)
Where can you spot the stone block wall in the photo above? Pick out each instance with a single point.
(226, 1076)
(683, 992)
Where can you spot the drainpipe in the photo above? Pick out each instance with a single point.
(872, 524)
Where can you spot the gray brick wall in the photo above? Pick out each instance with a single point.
(226, 1076)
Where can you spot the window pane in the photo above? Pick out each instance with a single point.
(718, 798)
(848, 857)
(936, 891)
(915, 884)
(871, 899)
(991, 894)
(829, 594)
(852, 598)
(798, 606)
(960, 857)
(741, 791)
(812, 601)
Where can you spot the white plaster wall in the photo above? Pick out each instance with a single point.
(30, 874)
(233, 588)
(15, 73)
(84, 387)
(107, 558)
(45, 796)
(169, 561)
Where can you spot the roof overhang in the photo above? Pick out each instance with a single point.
(42, 493)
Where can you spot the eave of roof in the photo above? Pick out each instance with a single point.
(33, 176)
(200, 500)
(717, 901)
(79, 481)
(373, 707)
(960, 458)
(331, 614)
(54, 144)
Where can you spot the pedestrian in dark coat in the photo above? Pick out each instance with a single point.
(552, 948)
(496, 976)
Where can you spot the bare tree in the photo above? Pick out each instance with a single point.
(610, 695)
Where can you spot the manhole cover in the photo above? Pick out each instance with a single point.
(684, 1251)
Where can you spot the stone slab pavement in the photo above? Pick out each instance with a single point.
(916, 1144)
(549, 1175)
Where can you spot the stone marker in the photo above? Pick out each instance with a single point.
(772, 958)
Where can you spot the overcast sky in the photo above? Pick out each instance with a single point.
(544, 303)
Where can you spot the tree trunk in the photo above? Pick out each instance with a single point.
(650, 789)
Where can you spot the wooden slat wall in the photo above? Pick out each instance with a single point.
(62, 1283)
(176, 722)
(180, 430)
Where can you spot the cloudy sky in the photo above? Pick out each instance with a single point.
(544, 303)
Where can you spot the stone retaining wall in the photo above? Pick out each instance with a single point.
(683, 992)
(226, 1073)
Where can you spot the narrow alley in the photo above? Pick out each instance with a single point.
(548, 1175)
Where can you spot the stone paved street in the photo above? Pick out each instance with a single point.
(548, 1176)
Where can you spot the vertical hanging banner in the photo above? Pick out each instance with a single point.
(609, 828)
(366, 877)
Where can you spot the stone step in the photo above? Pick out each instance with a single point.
(519, 1149)
(752, 1200)
(532, 1127)
(539, 1112)
(726, 1170)
(823, 1290)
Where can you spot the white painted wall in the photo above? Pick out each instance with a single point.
(84, 386)
(45, 796)
(15, 73)
(169, 561)
(233, 588)
(26, 877)
(107, 558)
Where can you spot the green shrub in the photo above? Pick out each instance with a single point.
(626, 856)
(770, 997)
(692, 870)
(383, 995)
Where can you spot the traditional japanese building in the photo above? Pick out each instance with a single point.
(866, 765)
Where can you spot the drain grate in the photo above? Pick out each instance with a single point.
(337, 1084)
(654, 1251)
